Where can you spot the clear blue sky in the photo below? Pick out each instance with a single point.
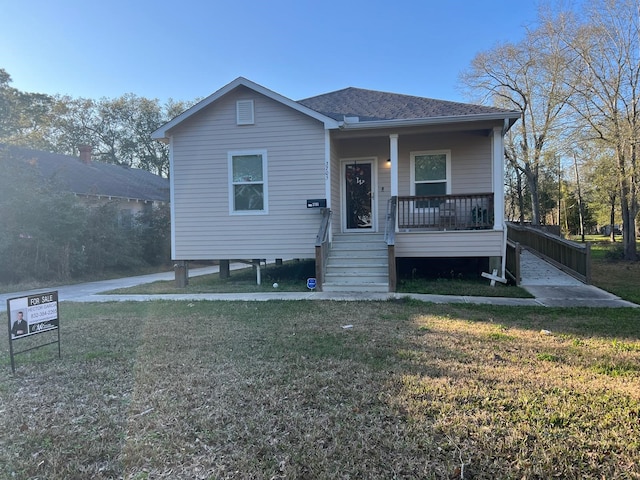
(187, 49)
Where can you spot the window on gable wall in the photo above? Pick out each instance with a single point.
(430, 174)
(248, 182)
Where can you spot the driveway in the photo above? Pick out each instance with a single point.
(86, 290)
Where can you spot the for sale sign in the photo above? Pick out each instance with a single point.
(31, 315)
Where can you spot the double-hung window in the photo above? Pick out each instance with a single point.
(248, 182)
(430, 175)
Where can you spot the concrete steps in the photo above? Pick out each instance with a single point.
(358, 262)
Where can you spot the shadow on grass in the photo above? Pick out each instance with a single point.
(281, 389)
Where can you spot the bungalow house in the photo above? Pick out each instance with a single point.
(96, 183)
(356, 179)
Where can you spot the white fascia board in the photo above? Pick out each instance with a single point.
(162, 132)
(479, 117)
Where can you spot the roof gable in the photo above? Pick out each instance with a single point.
(357, 108)
(163, 132)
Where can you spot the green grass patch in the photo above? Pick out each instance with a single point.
(466, 287)
(291, 276)
(499, 336)
(548, 357)
(281, 390)
(616, 276)
(609, 271)
(617, 369)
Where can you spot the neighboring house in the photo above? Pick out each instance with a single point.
(97, 182)
(400, 177)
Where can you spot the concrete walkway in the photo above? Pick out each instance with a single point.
(550, 286)
(554, 288)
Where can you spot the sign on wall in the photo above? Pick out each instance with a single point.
(32, 315)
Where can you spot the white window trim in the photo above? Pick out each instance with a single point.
(265, 190)
(412, 173)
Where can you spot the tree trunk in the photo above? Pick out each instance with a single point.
(520, 196)
(535, 201)
(628, 210)
(532, 182)
(580, 204)
(612, 219)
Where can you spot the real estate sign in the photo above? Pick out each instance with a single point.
(31, 315)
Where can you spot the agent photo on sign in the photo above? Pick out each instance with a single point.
(19, 326)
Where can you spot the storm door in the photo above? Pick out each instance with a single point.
(358, 192)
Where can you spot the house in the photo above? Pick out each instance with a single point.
(357, 179)
(94, 182)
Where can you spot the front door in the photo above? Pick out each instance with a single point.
(358, 195)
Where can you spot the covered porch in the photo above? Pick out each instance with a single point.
(444, 213)
(429, 191)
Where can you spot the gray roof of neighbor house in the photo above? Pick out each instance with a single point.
(371, 105)
(93, 178)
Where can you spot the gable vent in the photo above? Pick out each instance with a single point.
(244, 112)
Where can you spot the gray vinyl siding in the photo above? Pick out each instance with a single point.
(477, 243)
(471, 162)
(294, 144)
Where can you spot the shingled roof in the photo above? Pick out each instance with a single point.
(93, 178)
(371, 105)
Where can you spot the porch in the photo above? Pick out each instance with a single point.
(369, 262)
(445, 212)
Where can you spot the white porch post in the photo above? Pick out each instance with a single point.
(498, 179)
(327, 167)
(393, 147)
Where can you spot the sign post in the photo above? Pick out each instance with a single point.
(29, 316)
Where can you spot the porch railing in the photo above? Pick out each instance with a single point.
(514, 250)
(322, 248)
(446, 212)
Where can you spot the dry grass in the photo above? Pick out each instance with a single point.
(214, 390)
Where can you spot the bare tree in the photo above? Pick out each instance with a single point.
(529, 76)
(606, 80)
(601, 176)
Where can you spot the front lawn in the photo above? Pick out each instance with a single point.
(398, 389)
(611, 273)
(292, 276)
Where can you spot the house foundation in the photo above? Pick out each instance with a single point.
(181, 268)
